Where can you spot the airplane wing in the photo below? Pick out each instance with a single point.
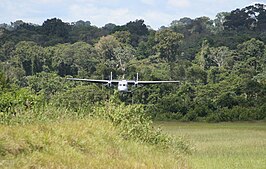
(94, 80)
(156, 82)
(150, 82)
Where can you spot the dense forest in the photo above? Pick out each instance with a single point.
(220, 63)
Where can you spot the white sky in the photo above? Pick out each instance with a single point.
(155, 13)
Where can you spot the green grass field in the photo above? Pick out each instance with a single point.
(223, 145)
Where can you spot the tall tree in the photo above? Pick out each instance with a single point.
(30, 57)
(167, 43)
(56, 27)
(220, 55)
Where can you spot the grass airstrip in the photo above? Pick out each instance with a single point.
(92, 143)
(235, 145)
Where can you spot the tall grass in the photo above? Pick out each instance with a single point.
(107, 135)
(78, 144)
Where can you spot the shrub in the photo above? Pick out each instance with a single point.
(80, 98)
(136, 125)
(167, 116)
(237, 113)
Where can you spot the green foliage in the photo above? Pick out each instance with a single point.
(48, 83)
(237, 113)
(196, 74)
(56, 27)
(136, 125)
(168, 116)
(80, 98)
(167, 44)
(15, 102)
(3, 81)
(30, 57)
(220, 63)
(248, 18)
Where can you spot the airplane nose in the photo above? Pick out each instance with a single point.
(122, 88)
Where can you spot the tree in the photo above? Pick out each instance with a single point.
(62, 59)
(251, 48)
(197, 75)
(137, 29)
(105, 47)
(145, 48)
(85, 58)
(3, 81)
(239, 20)
(252, 52)
(123, 36)
(219, 21)
(109, 27)
(123, 55)
(6, 50)
(81, 23)
(16, 24)
(56, 27)
(114, 53)
(167, 43)
(227, 99)
(219, 56)
(202, 55)
(250, 18)
(261, 17)
(79, 58)
(30, 57)
(201, 25)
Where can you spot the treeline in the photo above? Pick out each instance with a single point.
(220, 63)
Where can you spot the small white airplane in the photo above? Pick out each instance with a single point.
(122, 84)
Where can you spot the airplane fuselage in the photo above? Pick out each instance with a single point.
(123, 86)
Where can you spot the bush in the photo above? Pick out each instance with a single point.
(167, 116)
(136, 125)
(80, 98)
(261, 114)
(14, 100)
(15, 103)
(237, 113)
(213, 117)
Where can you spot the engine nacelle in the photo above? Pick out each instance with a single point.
(136, 84)
(109, 84)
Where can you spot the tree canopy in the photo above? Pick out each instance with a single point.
(220, 63)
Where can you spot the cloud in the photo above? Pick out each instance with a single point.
(157, 19)
(47, 1)
(148, 2)
(178, 3)
(100, 15)
(101, 12)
